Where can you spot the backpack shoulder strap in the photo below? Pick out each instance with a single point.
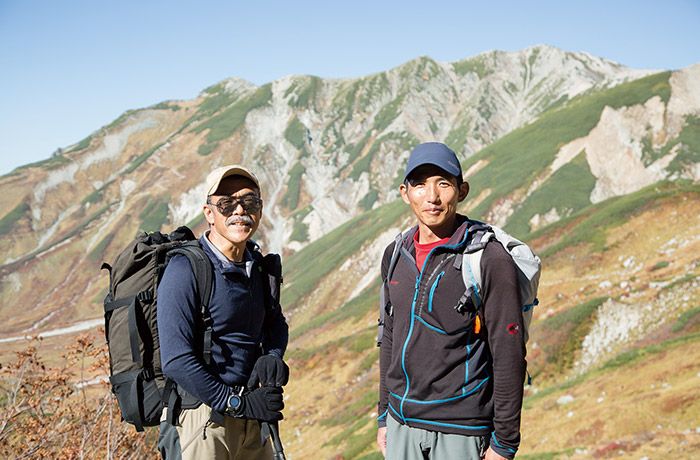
(272, 266)
(384, 304)
(204, 274)
(471, 264)
(270, 269)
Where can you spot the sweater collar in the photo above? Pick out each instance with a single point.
(224, 263)
(457, 239)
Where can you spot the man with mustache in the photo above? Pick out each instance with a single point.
(222, 400)
(451, 372)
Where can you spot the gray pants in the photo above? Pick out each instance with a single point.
(407, 443)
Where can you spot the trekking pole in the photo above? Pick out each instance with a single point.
(277, 450)
(272, 429)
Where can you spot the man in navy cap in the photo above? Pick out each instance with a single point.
(451, 375)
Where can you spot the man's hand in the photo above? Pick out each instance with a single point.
(269, 371)
(491, 455)
(264, 404)
(381, 439)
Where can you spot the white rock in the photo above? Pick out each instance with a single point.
(566, 399)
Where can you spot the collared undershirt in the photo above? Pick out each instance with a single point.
(422, 250)
(246, 264)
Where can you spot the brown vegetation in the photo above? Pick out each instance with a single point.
(45, 414)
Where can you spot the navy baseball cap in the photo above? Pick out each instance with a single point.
(434, 153)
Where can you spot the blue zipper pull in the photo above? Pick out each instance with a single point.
(432, 291)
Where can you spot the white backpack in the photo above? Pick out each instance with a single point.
(528, 264)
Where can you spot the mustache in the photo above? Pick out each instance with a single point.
(246, 220)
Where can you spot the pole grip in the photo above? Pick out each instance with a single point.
(277, 449)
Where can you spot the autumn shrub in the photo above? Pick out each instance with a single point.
(67, 411)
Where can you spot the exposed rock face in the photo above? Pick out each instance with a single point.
(614, 150)
(353, 135)
(620, 324)
(326, 151)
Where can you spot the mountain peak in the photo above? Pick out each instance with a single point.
(233, 85)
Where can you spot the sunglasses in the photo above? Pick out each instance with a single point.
(226, 206)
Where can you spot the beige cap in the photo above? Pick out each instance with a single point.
(219, 174)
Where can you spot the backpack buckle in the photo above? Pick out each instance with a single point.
(145, 296)
(389, 309)
(148, 374)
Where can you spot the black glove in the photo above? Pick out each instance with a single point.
(264, 404)
(269, 371)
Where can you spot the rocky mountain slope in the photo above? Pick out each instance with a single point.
(326, 150)
(585, 158)
(612, 344)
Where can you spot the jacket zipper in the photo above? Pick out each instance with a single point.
(413, 320)
(432, 291)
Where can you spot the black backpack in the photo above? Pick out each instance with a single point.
(131, 327)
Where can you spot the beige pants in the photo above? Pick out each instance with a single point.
(199, 438)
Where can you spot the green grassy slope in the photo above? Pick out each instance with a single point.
(516, 160)
(348, 422)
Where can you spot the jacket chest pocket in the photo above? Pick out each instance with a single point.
(439, 301)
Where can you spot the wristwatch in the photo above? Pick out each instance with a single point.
(233, 404)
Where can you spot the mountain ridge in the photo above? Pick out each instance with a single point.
(319, 170)
(330, 156)
(379, 184)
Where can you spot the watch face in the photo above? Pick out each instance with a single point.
(234, 402)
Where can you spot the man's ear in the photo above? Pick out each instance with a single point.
(463, 191)
(403, 190)
(208, 214)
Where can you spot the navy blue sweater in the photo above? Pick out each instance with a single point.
(237, 308)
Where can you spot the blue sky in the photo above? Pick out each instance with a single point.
(69, 67)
